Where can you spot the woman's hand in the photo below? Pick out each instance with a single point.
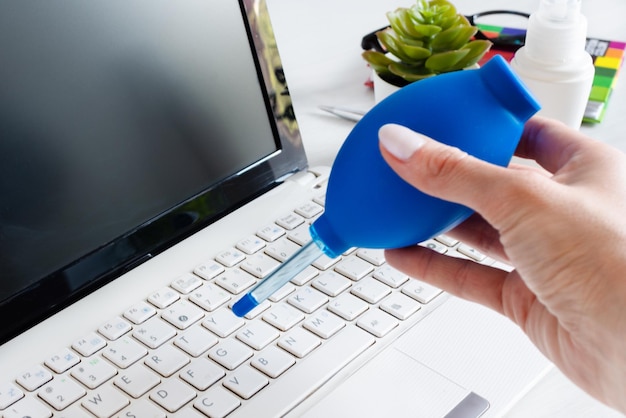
(562, 228)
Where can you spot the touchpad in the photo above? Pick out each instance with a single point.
(395, 384)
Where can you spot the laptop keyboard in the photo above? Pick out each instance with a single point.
(182, 351)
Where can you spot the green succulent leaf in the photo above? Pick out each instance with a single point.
(445, 61)
(405, 52)
(428, 38)
(453, 38)
(378, 61)
(476, 49)
(410, 73)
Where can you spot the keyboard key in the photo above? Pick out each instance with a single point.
(182, 314)
(325, 262)
(172, 394)
(331, 283)
(281, 249)
(400, 306)
(164, 297)
(105, 401)
(9, 394)
(282, 293)
(209, 296)
(262, 307)
(283, 316)
(246, 381)
(186, 283)
(124, 352)
(137, 380)
(270, 233)
(446, 240)
(89, 344)
(202, 373)
(61, 392)
(305, 276)
(217, 402)
(230, 258)
(390, 276)
(377, 322)
(62, 360)
(223, 322)
(300, 235)
(235, 281)
(259, 265)
(354, 268)
(142, 408)
(309, 210)
(114, 328)
(420, 291)
(257, 334)
(373, 256)
(196, 340)
(208, 270)
(307, 299)
(154, 332)
(74, 411)
(290, 221)
(348, 306)
(30, 379)
(230, 353)
(251, 245)
(324, 324)
(273, 361)
(471, 252)
(167, 360)
(320, 200)
(435, 246)
(93, 372)
(140, 312)
(299, 342)
(370, 290)
(27, 408)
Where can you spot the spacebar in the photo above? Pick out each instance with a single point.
(310, 373)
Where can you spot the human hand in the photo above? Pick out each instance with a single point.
(563, 229)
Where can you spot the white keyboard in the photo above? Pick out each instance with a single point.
(182, 352)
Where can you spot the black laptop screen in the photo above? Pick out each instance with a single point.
(122, 125)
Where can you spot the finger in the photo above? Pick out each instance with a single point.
(504, 292)
(457, 276)
(450, 174)
(479, 234)
(550, 143)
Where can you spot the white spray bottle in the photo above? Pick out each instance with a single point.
(554, 64)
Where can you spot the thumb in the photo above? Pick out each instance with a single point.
(446, 172)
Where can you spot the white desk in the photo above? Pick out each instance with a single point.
(320, 46)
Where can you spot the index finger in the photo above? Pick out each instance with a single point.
(550, 143)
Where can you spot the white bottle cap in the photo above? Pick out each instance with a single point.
(557, 32)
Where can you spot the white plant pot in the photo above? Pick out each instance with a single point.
(382, 88)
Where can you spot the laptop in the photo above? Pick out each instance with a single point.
(151, 171)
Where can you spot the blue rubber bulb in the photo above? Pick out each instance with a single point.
(368, 205)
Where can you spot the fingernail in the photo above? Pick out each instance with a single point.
(400, 141)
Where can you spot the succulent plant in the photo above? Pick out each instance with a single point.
(424, 40)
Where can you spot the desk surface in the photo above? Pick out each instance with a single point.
(319, 42)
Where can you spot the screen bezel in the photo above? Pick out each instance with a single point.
(61, 288)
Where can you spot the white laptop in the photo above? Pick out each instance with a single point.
(151, 171)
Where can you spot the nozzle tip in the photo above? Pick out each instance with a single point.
(244, 305)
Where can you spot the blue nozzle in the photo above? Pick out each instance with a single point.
(245, 305)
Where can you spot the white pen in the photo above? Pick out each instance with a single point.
(347, 113)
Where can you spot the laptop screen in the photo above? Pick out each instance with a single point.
(125, 127)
